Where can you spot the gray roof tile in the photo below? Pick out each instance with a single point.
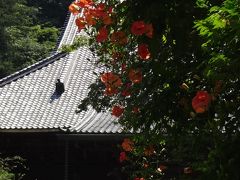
(27, 99)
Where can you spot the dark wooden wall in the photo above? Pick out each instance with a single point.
(87, 158)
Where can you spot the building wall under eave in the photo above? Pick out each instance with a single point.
(46, 156)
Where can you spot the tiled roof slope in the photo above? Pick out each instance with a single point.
(28, 101)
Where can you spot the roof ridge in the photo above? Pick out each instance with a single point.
(62, 31)
(31, 68)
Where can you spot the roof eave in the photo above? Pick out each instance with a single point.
(94, 136)
(45, 130)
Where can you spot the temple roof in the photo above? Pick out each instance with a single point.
(29, 102)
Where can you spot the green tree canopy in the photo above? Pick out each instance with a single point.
(24, 38)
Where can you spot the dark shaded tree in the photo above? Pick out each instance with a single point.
(24, 38)
(178, 90)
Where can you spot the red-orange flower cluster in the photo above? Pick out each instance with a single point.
(162, 168)
(80, 23)
(201, 102)
(187, 170)
(218, 87)
(126, 92)
(111, 81)
(99, 10)
(102, 15)
(89, 18)
(145, 165)
(127, 145)
(143, 51)
(122, 157)
(117, 111)
(92, 13)
(149, 151)
(107, 20)
(84, 3)
(74, 8)
(102, 34)
(110, 91)
(139, 28)
(149, 30)
(135, 75)
(119, 37)
(136, 110)
(137, 178)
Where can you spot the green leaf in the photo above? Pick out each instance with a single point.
(218, 60)
(202, 3)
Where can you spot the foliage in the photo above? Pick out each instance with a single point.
(24, 40)
(4, 175)
(79, 41)
(171, 75)
(51, 12)
(12, 168)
